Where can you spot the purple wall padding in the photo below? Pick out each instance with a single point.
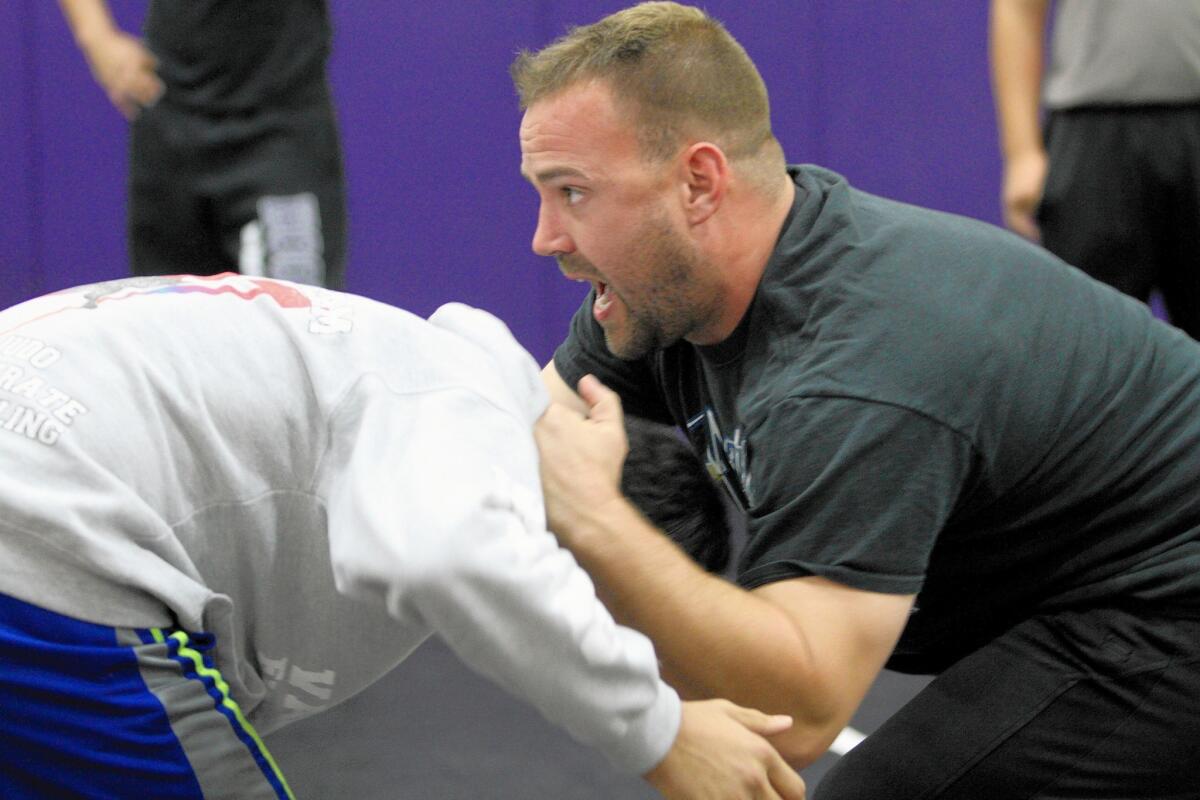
(19, 233)
(894, 95)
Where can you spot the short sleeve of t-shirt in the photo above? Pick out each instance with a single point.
(584, 352)
(850, 490)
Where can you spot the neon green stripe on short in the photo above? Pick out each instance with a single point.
(228, 703)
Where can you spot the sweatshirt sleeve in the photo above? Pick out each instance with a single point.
(435, 510)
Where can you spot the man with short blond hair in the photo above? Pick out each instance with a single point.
(955, 454)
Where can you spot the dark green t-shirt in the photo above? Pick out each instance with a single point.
(922, 403)
(230, 56)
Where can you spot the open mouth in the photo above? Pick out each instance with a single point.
(603, 301)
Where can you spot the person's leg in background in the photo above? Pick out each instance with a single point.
(280, 195)
(1098, 705)
(171, 225)
(1098, 205)
(1180, 270)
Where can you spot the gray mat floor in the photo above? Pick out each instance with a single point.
(434, 730)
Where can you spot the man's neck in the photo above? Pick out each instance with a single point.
(741, 253)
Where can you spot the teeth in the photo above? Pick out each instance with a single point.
(602, 298)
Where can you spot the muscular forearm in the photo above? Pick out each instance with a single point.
(713, 638)
(1016, 41)
(803, 646)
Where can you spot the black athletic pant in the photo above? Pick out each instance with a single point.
(1095, 705)
(1122, 201)
(258, 192)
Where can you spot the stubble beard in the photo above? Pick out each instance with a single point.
(667, 309)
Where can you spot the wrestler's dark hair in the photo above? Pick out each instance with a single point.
(666, 482)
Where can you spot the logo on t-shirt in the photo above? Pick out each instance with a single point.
(726, 457)
(227, 283)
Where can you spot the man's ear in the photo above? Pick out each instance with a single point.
(705, 173)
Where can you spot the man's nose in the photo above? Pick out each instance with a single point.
(549, 239)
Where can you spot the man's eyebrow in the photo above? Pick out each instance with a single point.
(552, 173)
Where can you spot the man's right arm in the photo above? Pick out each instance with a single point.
(806, 647)
(120, 63)
(1016, 30)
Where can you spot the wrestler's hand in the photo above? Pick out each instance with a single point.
(125, 69)
(720, 754)
(1024, 181)
(581, 456)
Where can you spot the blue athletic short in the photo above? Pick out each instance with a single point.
(88, 711)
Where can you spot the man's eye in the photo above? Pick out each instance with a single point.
(571, 195)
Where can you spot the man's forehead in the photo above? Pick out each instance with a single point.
(567, 112)
(587, 96)
(565, 133)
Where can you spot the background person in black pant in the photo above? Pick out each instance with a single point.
(235, 161)
(1111, 182)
